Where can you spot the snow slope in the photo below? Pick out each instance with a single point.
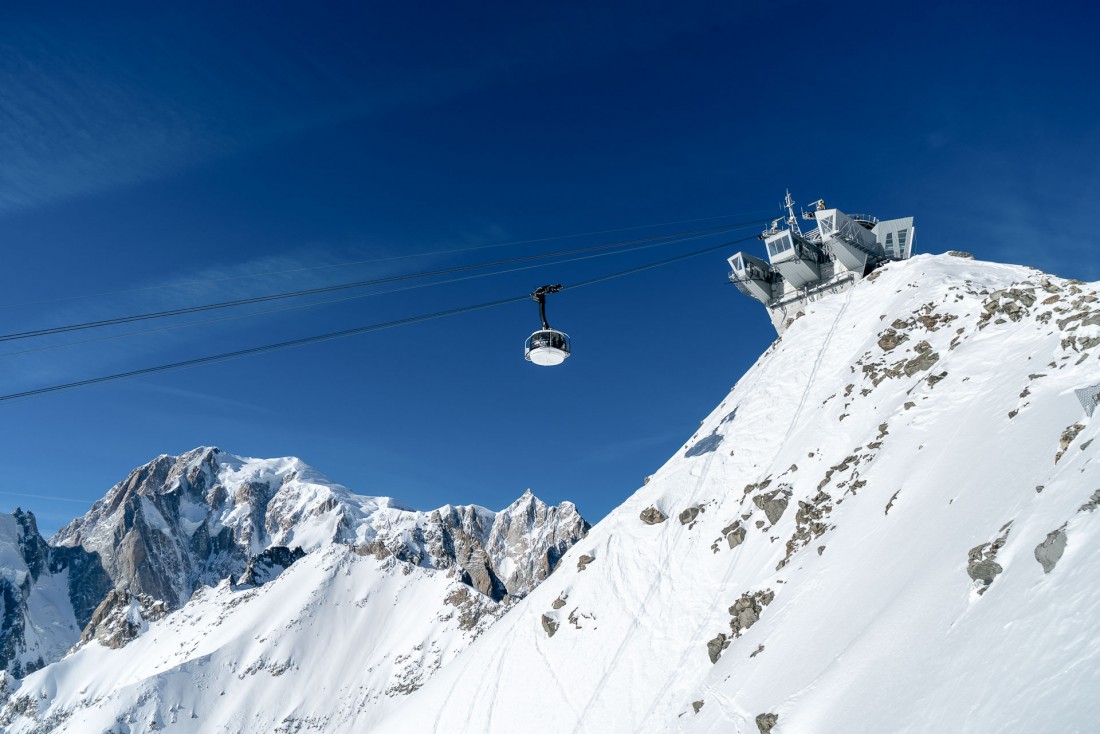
(830, 532)
(298, 603)
(335, 635)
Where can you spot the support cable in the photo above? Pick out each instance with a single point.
(343, 286)
(344, 299)
(346, 332)
(346, 264)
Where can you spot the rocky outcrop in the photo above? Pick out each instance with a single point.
(652, 516)
(774, 504)
(1092, 504)
(1050, 551)
(504, 555)
(746, 611)
(1066, 439)
(528, 539)
(981, 565)
(471, 607)
(269, 564)
(121, 617)
(688, 516)
(734, 534)
(766, 722)
(716, 646)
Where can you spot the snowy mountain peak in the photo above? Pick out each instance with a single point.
(181, 522)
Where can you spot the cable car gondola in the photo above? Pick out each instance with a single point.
(546, 347)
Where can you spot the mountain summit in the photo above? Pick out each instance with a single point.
(181, 522)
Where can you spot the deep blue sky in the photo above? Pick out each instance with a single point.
(142, 147)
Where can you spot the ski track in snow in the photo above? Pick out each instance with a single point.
(816, 363)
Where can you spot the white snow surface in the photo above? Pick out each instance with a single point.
(882, 631)
(874, 625)
(335, 637)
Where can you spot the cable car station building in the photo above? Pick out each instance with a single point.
(830, 258)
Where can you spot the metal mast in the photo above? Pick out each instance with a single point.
(792, 220)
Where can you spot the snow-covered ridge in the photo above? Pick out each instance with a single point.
(200, 516)
(183, 523)
(337, 635)
(889, 525)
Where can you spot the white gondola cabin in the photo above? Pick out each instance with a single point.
(546, 347)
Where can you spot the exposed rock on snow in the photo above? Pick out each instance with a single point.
(982, 566)
(1092, 504)
(734, 534)
(1066, 439)
(774, 504)
(746, 611)
(688, 516)
(652, 516)
(121, 617)
(1051, 549)
(716, 646)
(766, 722)
(269, 564)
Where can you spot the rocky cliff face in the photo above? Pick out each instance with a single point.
(252, 553)
(47, 595)
(501, 554)
(173, 525)
(182, 523)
